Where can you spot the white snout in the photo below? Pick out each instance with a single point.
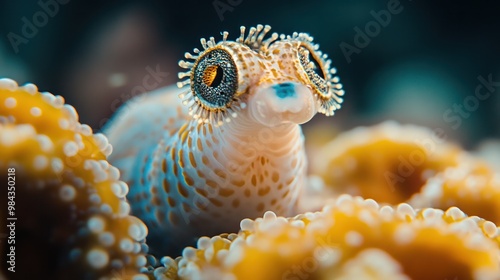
(282, 103)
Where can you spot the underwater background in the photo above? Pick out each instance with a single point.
(432, 67)
(426, 58)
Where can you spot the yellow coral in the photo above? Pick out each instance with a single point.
(395, 163)
(472, 186)
(388, 162)
(351, 237)
(72, 217)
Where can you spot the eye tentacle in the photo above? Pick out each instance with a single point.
(249, 40)
(241, 39)
(203, 42)
(255, 38)
(262, 34)
(267, 42)
(224, 36)
(211, 43)
(182, 75)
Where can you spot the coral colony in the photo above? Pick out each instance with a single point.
(213, 185)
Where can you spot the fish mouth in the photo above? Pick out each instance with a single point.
(287, 102)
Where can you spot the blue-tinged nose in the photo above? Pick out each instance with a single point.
(285, 90)
(287, 102)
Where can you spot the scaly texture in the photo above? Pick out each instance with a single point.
(232, 147)
(72, 218)
(351, 238)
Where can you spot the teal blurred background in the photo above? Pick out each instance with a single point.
(419, 66)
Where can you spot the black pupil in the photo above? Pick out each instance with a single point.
(218, 77)
(315, 73)
(317, 67)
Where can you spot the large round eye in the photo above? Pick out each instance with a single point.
(318, 74)
(214, 79)
(218, 75)
(313, 66)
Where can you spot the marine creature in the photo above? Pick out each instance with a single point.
(66, 203)
(231, 147)
(231, 150)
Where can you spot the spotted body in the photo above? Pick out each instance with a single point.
(231, 147)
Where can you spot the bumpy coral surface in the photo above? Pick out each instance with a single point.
(71, 218)
(350, 239)
(388, 162)
(473, 187)
(395, 163)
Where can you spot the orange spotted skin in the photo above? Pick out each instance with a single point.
(231, 147)
(202, 180)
